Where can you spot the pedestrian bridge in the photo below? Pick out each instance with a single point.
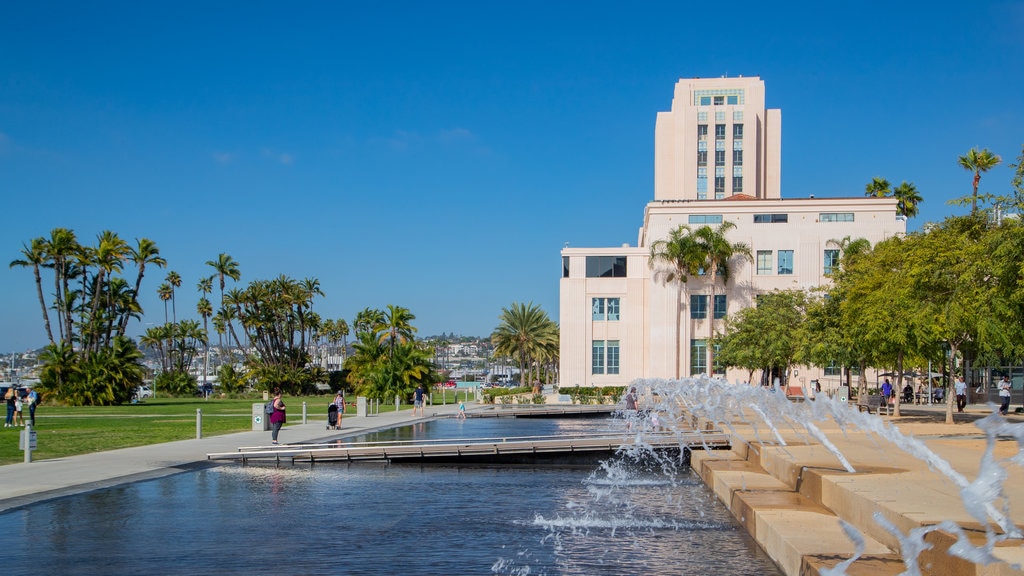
(520, 449)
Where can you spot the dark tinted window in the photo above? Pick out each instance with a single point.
(606, 266)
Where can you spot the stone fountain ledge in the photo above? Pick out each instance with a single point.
(790, 498)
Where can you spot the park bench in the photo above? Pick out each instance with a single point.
(873, 401)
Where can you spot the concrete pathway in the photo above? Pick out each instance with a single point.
(28, 483)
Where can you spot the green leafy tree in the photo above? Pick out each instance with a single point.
(769, 336)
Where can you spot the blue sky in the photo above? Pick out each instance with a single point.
(438, 155)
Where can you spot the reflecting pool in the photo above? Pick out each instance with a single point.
(392, 519)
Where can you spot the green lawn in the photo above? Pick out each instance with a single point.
(66, 431)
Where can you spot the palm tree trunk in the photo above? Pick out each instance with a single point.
(679, 327)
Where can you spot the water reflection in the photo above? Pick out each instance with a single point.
(380, 519)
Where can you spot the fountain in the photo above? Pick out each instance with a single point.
(763, 418)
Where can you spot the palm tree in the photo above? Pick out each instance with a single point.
(226, 267)
(907, 198)
(978, 161)
(35, 256)
(878, 188)
(60, 248)
(145, 252)
(684, 256)
(110, 254)
(718, 252)
(396, 326)
(525, 332)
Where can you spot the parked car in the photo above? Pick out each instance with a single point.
(143, 392)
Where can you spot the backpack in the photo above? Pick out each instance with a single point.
(269, 407)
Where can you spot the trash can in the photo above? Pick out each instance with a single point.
(260, 419)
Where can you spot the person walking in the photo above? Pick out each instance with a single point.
(886, 391)
(417, 400)
(278, 418)
(1004, 395)
(960, 389)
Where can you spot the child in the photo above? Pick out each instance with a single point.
(462, 410)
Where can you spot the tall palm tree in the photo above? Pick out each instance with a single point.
(396, 326)
(978, 161)
(61, 247)
(878, 188)
(684, 256)
(225, 267)
(907, 198)
(110, 254)
(718, 254)
(35, 256)
(145, 252)
(205, 309)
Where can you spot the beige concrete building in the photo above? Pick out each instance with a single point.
(717, 159)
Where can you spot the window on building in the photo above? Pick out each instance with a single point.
(720, 116)
(604, 357)
(737, 184)
(719, 306)
(719, 131)
(698, 357)
(737, 157)
(737, 131)
(606, 266)
(833, 369)
(705, 100)
(831, 261)
(719, 157)
(604, 309)
(835, 217)
(764, 261)
(732, 100)
(770, 218)
(702, 116)
(702, 132)
(565, 266)
(737, 144)
(737, 116)
(719, 100)
(704, 219)
(612, 346)
(702, 183)
(698, 306)
(785, 261)
(719, 185)
(702, 157)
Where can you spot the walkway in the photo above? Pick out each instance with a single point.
(23, 484)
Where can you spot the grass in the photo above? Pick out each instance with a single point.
(66, 431)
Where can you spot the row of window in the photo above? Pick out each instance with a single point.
(830, 262)
(720, 97)
(604, 357)
(737, 116)
(604, 309)
(699, 306)
(615, 267)
(702, 185)
(737, 158)
(720, 130)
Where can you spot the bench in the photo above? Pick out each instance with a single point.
(873, 401)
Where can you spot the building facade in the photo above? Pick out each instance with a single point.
(717, 159)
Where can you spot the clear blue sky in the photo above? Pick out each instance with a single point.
(438, 155)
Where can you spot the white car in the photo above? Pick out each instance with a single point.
(143, 392)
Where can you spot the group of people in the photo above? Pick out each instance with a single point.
(17, 404)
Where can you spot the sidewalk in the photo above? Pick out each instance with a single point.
(23, 484)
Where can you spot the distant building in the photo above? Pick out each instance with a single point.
(717, 159)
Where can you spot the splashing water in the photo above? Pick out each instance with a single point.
(686, 405)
